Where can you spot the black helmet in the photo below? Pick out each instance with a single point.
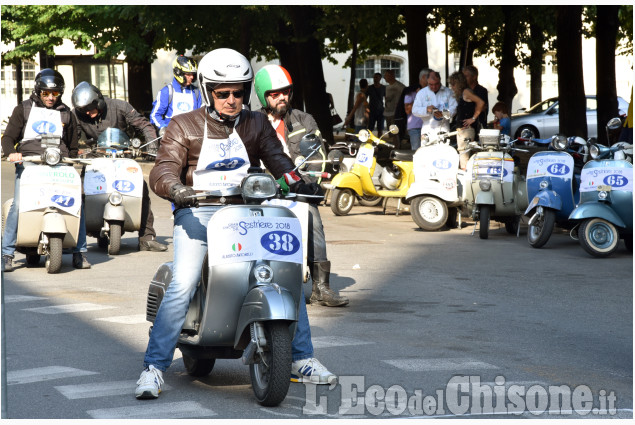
(87, 97)
(49, 79)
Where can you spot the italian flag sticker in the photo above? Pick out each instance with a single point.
(237, 247)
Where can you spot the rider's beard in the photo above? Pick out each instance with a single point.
(281, 109)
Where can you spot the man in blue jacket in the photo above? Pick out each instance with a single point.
(179, 97)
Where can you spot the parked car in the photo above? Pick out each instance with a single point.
(542, 119)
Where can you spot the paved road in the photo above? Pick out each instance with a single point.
(429, 314)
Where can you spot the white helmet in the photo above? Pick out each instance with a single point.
(223, 66)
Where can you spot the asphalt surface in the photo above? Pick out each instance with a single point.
(429, 313)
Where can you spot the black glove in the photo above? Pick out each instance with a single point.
(179, 194)
(302, 188)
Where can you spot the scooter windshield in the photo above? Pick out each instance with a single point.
(113, 138)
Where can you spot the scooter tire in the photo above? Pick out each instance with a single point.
(198, 367)
(511, 226)
(484, 216)
(54, 257)
(342, 201)
(540, 230)
(114, 239)
(598, 237)
(429, 212)
(270, 379)
(369, 200)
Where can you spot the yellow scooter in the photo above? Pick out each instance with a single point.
(395, 180)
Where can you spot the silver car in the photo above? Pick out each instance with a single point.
(543, 119)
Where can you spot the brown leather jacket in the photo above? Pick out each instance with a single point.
(181, 145)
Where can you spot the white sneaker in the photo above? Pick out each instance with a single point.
(311, 370)
(149, 383)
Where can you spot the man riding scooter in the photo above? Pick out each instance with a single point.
(231, 139)
(274, 88)
(42, 112)
(94, 116)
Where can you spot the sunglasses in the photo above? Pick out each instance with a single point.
(277, 94)
(47, 93)
(225, 94)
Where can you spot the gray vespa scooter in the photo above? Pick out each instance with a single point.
(113, 189)
(247, 302)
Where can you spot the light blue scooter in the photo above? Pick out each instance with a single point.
(605, 211)
(553, 181)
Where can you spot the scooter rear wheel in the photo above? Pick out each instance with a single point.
(541, 229)
(342, 201)
(198, 367)
(270, 373)
(429, 212)
(598, 237)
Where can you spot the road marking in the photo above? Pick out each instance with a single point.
(21, 298)
(100, 389)
(126, 320)
(421, 365)
(149, 410)
(336, 341)
(39, 374)
(68, 308)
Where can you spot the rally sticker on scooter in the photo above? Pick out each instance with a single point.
(491, 168)
(365, 157)
(254, 238)
(106, 175)
(617, 178)
(553, 165)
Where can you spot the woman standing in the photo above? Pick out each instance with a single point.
(469, 108)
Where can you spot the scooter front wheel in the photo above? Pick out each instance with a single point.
(270, 373)
(114, 238)
(429, 212)
(598, 237)
(198, 367)
(484, 215)
(54, 257)
(342, 201)
(541, 229)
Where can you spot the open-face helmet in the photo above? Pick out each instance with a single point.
(271, 78)
(224, 66)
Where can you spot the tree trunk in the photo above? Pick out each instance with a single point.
(309, 57)
(506, 83)
(570, 76)
(289, 61)
(535, 63)
(416, 32)
(606, 36)
(351, 85)
(18, 81)
(140, 86)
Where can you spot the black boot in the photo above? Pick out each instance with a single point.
(322, 293)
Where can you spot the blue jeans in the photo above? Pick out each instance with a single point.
(10, 235)
(190, 246)
(415, 138)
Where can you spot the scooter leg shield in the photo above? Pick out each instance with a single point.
(266, 303)
(53, 223)
(114, 212)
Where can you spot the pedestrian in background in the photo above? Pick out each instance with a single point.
(376, 94)
(393, 92)
(413, 123)
(502, 121)
(471, 76)
(469, 107)
(360, 112)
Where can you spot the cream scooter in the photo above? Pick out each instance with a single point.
(50, 206)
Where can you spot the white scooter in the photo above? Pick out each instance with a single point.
(113, 189)
(50, 206)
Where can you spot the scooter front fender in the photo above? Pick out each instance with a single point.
(431, 187)
(597, 210)
(349, 181)
(547, 199)
(114, 212)
(265, 303)
(53, 222)
(484, 198)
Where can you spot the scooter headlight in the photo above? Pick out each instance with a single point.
(258, 187)
(594, 151)
(52, 156)
(263, 273)
(559, 142)
(544, 184)
(602, 195)
(115, 198)
(135, 142)
(363, 136)
(485, 185)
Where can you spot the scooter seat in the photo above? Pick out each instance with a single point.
(401, 155)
